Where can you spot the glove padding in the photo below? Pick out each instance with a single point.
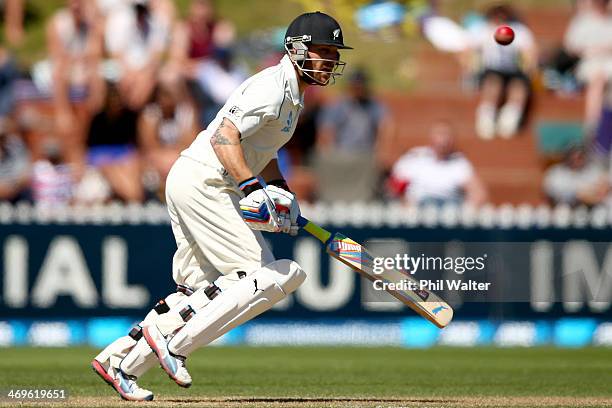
(271, 209)
(259, 213)
(286, 206)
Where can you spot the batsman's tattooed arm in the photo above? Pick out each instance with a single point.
(226, 144)
(220, 139)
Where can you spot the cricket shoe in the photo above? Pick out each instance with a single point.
(509, 120)
(485, 121)
(172, 364)
(124, 384)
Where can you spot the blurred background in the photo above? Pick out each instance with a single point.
(434, 134)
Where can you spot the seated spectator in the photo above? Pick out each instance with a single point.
(74, 41)
(14, 11)
(201, 53)
(112, 149)
(53, 178)
(166, 127)
(505, 73)
(589, 36)
(8, 75)
(603, 139)
(136, 38)
(350, 133)
(578, 180)
(437, 174)
(217, 77)
(195, 39)
(15, 168)
(357, 122)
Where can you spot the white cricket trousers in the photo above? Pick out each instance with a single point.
(212, 238)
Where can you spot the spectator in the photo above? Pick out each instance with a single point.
(437, 174)
(14, 164)
(357, 122)
(349, 136)
(74, 41)
(195, 39)
(112, 147)
(504, 73)
(589, 36)
(577, 180)
(136, 38)
(52, 178)
(201, 53)
(8, 75)
(217, 77)
(166, 127)
(14, 11)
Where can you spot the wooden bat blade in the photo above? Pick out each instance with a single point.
(424, 302)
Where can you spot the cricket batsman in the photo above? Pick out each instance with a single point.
(221, 193)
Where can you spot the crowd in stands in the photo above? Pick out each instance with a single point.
(125, 86)
(584, 60)
(505, 78)
(128, 84)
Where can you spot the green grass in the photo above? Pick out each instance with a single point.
(440, 375)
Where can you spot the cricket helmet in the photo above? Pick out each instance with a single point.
(315, 28)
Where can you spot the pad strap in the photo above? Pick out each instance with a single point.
(161, 307)
(136, 332)
(212, 291)
(184, 289)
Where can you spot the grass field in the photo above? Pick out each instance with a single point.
(337, 377)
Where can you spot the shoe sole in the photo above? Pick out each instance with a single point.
(153, 346)
(99, 369)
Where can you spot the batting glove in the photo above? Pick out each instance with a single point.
(287, 207)
(257, 208)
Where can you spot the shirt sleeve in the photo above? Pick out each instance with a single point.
(251, 109)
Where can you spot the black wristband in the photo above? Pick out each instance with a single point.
(249, 185)
(280, 183)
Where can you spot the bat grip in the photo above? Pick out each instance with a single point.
(313, 229)
(301, 221)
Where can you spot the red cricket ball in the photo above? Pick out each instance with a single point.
(504, 35)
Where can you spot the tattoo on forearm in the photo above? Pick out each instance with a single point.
(219, 139)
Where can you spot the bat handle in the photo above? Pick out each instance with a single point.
(313, 229)
(301, 221)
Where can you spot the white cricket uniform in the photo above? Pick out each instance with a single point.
(212, 238)
(202, 198)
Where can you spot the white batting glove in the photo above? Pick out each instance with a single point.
(258, 209)
(287, 207)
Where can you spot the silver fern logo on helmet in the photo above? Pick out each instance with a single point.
(336, 33)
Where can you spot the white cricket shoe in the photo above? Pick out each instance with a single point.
(124, 384)
(485, 122)
(509, 120)
(172, 364)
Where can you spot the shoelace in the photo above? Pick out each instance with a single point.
(130, 381)
(182, 361)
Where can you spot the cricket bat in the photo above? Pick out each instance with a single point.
(424, 302)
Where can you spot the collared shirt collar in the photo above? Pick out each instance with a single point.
(291, 76)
